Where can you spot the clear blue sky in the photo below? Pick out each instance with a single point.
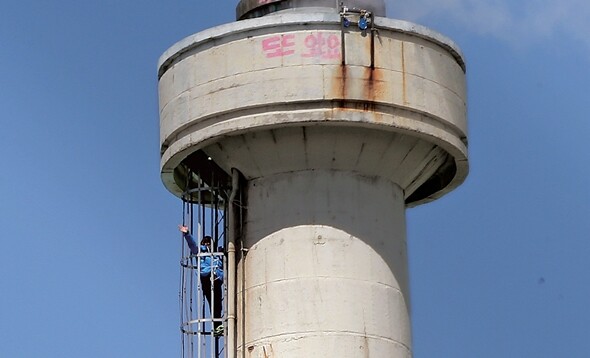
(89, 257)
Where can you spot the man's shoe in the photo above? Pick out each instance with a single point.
(218, 332)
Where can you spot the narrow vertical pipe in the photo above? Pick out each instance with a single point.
(342, 41)
(200, 326)
(243, 253)
(373, 30)
(231, 268)
(182, 285)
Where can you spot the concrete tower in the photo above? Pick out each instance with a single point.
(337, 120)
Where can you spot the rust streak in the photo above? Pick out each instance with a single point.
(370, 94)
(358, 92)
(373, 87)
(344, 81)
(338, 89)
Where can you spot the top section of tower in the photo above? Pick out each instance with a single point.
(308, 89)
(248, 9)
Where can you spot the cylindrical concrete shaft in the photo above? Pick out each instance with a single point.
(326, 270)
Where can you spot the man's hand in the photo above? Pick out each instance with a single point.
(183, 229)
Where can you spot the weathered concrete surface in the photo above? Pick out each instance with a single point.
(248, 77)
(336, 132)
(325, 274)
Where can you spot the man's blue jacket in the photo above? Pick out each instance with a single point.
(207, 262)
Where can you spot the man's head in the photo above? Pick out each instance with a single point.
(206, 241)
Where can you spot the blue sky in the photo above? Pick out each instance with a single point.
(89, 264)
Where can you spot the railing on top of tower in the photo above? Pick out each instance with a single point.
(248, 9)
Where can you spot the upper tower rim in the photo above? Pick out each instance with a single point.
(281, 19)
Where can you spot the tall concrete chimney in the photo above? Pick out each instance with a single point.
(338, 119)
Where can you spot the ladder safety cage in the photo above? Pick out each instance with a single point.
(203, 281)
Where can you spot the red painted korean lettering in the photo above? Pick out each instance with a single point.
(279, 46)
(320, 46)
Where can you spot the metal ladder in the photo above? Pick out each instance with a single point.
(204, 212)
